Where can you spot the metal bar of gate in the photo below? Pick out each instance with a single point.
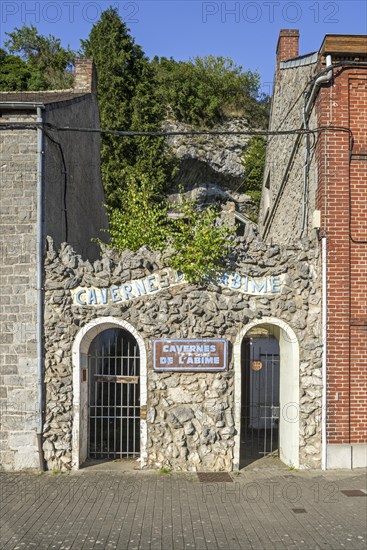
(121, 405)
(272, 403)
(108, 397)
(252, 400)
(113, 411)
(114, 419)
(135, 396)
(95, 407)
(128, 403)
(259, 408)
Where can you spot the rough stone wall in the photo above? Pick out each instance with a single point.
(74, 201)
(190, 415)
(214, 159)
(18, 394)
(285, 157)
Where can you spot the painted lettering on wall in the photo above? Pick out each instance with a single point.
(251, 285)
(93, 296)
(160, 280)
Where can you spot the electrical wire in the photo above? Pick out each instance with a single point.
(129, 133)
(122, 133)
(63, 160)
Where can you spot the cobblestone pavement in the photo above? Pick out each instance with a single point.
(119, 508)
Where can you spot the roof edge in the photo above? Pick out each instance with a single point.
(344, 44)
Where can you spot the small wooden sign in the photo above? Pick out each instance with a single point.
(205, 355)
(117, 379)
(256, 365)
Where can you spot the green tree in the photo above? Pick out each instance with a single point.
(14, 73)
(48, 62)
(205, 90)
(127, 96)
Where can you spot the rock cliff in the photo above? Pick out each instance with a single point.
(213, 161)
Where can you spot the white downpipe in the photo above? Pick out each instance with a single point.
(324, 353)
(306, 113)
(321, 80)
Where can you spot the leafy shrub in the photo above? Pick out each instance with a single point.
(141, 220)
(205, 90)
(14, 73)
(199, 243)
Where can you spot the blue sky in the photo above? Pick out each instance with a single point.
(247, 31)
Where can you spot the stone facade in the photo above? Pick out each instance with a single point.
(282, 196)
(18, 392)
(73, 209)
(190, 416)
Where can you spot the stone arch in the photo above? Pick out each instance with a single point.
(289, 388)
(80, 349)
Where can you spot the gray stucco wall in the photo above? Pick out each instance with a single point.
(74, 209)
(18, 394)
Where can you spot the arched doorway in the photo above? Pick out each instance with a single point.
(266, 392)
(114, 395)
(109, 392)
(259, 395)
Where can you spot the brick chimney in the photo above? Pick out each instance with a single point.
(85, 76)
(287, 47)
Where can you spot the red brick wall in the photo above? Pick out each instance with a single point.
(85, 76)
(342, 199)
(287, 46)
(358, 384)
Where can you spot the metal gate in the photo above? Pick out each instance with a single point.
(260, 401)
(114, 395)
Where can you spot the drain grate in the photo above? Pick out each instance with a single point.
(299, 511)
(214, 477)
(354, 493)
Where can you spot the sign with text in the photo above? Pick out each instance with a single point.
(115, 294)
(208, 355)
(168, 278)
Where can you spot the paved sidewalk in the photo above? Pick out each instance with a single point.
(120, 508)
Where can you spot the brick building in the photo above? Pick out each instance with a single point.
(50, 185)
(120, 357)
(315, 187)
